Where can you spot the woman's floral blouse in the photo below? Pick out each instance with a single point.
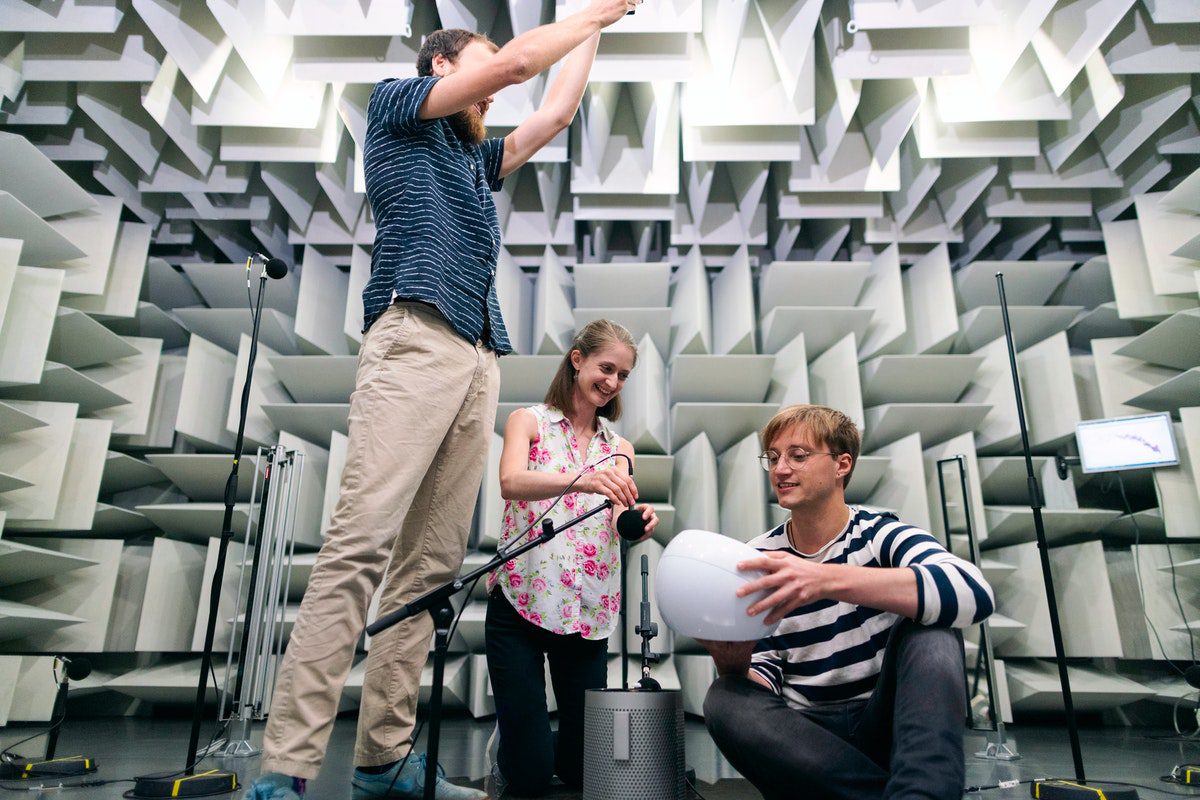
(571, 584)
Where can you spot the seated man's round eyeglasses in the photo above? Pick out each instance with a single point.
(794, 458)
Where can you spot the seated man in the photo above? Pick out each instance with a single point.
(859, 693)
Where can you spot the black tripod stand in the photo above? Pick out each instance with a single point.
(437, 603)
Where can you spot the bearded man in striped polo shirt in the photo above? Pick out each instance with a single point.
(860, 692)
(425, 395)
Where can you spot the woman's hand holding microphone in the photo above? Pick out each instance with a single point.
(615, 484)
(618, 486)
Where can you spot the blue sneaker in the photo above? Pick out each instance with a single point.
(408, 784)
(273, 786)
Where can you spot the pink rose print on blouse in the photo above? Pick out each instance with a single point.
(602, 571)
(585, 629)
(603, 537)
(569, 502)
(535, 618)
(515, 580)
(589, 549)
(589, 567)
(538, 584)
(606, 449)
(510, 566)
(523, 599)
(602, 618)
(566, 579)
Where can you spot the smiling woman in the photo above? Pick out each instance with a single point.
(560, 601)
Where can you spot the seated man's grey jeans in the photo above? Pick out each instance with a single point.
(905, 741)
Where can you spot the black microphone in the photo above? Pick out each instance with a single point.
(1192, 676)
(78, 668)
(274, 267)
(631, 525)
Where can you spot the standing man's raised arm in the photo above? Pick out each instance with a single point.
(557, 111)
(521, 59)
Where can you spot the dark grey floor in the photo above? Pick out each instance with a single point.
(125, 747)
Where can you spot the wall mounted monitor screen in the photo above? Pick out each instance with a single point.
(1106, 445)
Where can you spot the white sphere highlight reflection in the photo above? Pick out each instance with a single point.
(695, 585)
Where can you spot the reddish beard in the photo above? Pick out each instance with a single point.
(468, 125)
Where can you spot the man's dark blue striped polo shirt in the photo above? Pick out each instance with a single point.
(436, 233)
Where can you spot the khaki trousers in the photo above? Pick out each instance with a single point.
(421, 415)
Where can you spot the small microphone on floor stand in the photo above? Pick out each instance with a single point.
(647, 630)
(19, 768)
(634, 736)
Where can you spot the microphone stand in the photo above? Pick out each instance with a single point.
(214, 594)
(59, 712)
(647, 629)
(624, 644)
(1035, 503)
(437, 603)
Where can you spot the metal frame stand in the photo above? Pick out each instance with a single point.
(263, 596)
(996, 750)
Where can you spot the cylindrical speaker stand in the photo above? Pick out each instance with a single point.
(633, 745)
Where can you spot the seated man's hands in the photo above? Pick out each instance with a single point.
(792, 582)
(733, 658)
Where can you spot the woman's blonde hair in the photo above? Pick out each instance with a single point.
(589, 339)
